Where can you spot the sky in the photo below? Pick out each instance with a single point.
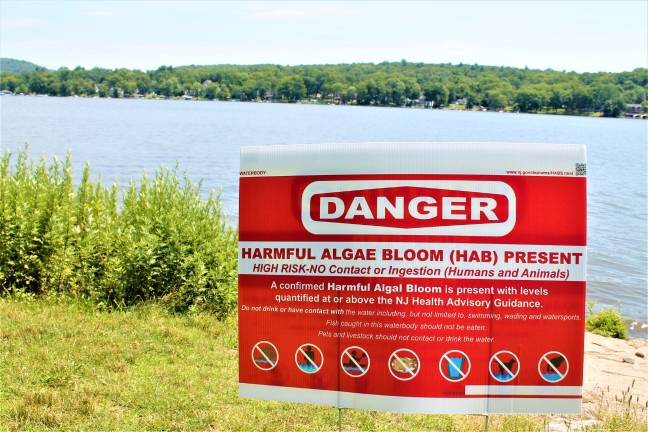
(581, 36)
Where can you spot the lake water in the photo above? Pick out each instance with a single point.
(120, 138)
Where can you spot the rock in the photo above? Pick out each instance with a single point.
(628, 360)
(556, 426)
(640, 354)
(561, 425)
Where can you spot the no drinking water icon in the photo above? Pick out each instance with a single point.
(355, 361)
(309, 358)
(553, 366)
(454, 365)
(265, 355)
(504, 366)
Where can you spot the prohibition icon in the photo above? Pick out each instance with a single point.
(454, 365)
(265, 355)
(309, 358)
(553, 366)
(355, 361)
(404, 364)
(504, 366)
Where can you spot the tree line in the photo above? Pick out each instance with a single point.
(384, 84)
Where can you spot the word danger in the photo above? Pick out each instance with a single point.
(411, 207)
(408, 205)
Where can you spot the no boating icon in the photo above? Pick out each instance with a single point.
(404, 364)
(504, 366)
(454, 365)
(265, 355)
(355, 361)
(553, 366)
(309, 358)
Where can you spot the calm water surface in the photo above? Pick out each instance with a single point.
(120, 138)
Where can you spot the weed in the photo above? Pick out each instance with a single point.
(606, 322)
(156, 240)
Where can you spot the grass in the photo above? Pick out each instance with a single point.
(65, 365)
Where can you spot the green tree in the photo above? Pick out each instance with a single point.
(529, 99)
(436, 93)
(213, 91)
(103, 90)
(613, 107)
(291, 88)
(608, 99)
(495, 100)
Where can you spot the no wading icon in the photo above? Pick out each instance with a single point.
(355, 361)
(309, 358)
(265, 355)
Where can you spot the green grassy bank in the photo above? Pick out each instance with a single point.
(64, 365)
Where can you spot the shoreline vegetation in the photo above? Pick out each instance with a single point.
(387, 84)
(156, 240)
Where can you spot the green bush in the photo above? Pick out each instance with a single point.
(157, 240)
(606, 322)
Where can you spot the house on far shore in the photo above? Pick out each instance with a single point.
(633, 108)
(634, 111)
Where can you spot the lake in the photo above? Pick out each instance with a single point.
(120, 138)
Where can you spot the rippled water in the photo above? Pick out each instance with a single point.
(120, 138)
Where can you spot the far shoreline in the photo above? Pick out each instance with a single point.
(324, 103)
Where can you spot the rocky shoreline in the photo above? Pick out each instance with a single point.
(614, 366)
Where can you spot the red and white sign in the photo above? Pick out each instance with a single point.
(414, 277)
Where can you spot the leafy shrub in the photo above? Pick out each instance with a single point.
(157, 240)
(606, 322)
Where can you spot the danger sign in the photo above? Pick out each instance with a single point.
(413, 277)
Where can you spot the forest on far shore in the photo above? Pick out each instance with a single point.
(401, 83)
